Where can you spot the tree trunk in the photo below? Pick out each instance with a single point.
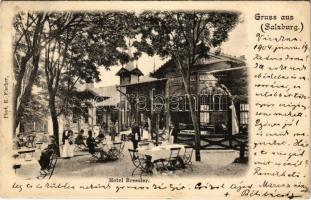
(33, 51)
(54, 120)
(157, 117)
(194, 118)
(27, 93)
(18, 89)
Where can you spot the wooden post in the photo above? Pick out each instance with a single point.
(120, 113)
(157, 117)
(229, 125)
(152, 113)
(198, 135)
(167, 107)
(78, 121)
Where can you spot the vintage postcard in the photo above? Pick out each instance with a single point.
(186, 100)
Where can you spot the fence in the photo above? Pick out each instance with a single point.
(216, 141)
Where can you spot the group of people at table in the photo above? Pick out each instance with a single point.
(100, 144)
(162, 154)
(27, 151)
(35, 155)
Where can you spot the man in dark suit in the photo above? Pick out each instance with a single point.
(135, 135)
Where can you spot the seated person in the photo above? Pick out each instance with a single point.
(30, 141)
(100, 136)
(243, 129)
(220, 128)
(79, 139)
(91, 144)
(46, 154)
(44, 160)
(20, 142)
(53, 143)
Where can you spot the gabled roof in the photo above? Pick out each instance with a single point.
(122, 71)
(211, 58)
(85, 93)
(104, 96)
(113, 96)
(137, 72)
(125, 71)
(144, 80)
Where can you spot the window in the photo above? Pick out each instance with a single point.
(207, 100)
(183, 104)
(223, 102)
(217, 104)
(204, 114)
(211, 103)
(205, 105)
(244, 108)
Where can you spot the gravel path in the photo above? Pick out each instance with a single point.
(213, 163)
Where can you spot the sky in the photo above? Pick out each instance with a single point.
(235, 46)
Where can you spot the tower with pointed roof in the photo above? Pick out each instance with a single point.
(128, 75)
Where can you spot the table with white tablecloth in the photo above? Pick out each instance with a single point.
(105, 145)
(125, 135)
(162, 151)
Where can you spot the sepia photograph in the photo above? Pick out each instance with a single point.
(129, 94)
(178, 100)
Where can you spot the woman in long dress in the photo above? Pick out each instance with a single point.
(68, 145)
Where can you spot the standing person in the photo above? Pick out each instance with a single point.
(135, 135)
(113, 132)
(90, 142)
(67, 142)
(175, 132)
(145, 132)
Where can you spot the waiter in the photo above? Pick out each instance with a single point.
(135, 135)
(67, 142)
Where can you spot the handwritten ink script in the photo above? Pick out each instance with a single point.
(279, 137)
(225, 189)
(281, 94)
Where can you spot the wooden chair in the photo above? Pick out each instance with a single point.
(160, 164)
(122, 149)
(95, 156)
(143, 163)
(174, 161)
(95, 152)
(115, 151)
(187, 157)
